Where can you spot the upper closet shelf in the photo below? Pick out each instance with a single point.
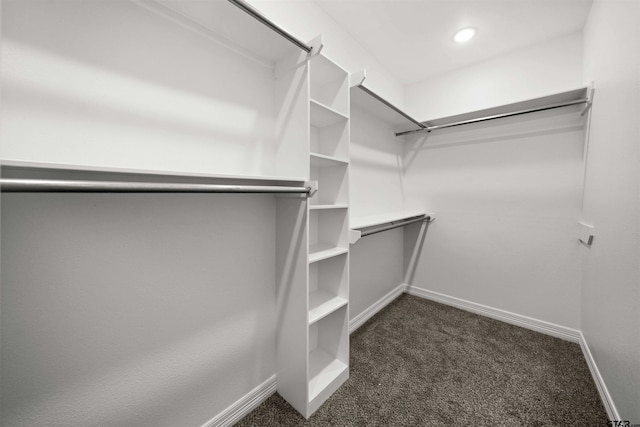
(367, 100)
(45, 170)
(233, 23)
(30, 185)
(581, 97)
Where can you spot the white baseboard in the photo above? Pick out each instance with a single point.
(244, 405)
(255, 397)
(558, 331)
(537, 325)
(612, 411)
(367, 314)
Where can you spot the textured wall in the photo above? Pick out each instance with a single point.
(134, 310)
(376, 187)
(507, 197)
(611, 276)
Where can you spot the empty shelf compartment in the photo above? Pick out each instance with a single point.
(328, 352)
(328, 286)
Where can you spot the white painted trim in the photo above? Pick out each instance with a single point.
(368, 313)
(612, 411)
(244, 405)
(258, 395)
(537, 325)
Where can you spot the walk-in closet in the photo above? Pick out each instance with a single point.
(319, 212)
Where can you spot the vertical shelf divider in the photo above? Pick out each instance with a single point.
(328, 212)
(312, 235)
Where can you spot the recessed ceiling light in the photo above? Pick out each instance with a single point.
(464, 35)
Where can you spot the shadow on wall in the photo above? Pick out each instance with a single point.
(157, 83)
(532, 125)
(127, 309)
(414, 238)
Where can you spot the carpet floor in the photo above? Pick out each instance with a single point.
(421, 363)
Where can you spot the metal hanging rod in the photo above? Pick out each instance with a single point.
(396, 224)
(393, 107)
(497, 116)
(258, 16)
(19, 185)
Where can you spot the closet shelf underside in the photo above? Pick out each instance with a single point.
(233, 23)
(357, 223)
(403, 123)
(43, 170)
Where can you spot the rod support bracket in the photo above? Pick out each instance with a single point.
(590, 93)
(313, 187)
(357, 78)
(316, 46)
(354, 236)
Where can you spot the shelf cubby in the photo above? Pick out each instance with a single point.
(329, 138)
(329, 84)
(332, 184)
(327, 286)
(328, 233)
(328, 355)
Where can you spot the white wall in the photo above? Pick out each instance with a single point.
(543, 69)
(376, 268)
(611, 276)
(375, 177)
(135, 91)
(134, 310)
(506, 196)
(305, 20)
(375, 173)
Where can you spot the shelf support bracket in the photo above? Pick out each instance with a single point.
(313, 185)
(585, 233)
(316, 46)
(293, 62)
(354, 236)
(357, 78)
(589, 103)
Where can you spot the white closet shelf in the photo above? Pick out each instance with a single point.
(367, 100)
(230, 23)
(323, 303)
(324, 161)
(60, 167)
(321, 251)
(335, 206)
(323, 370)
(323, 116)
(357, 223)
(579, 98)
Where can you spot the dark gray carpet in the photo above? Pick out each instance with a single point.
(420, 363)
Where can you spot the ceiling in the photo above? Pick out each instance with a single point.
(413, 39)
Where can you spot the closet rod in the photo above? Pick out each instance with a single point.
(20, 185)
(496, 116)
(393, 107)
(396, 224)
(258, 16)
